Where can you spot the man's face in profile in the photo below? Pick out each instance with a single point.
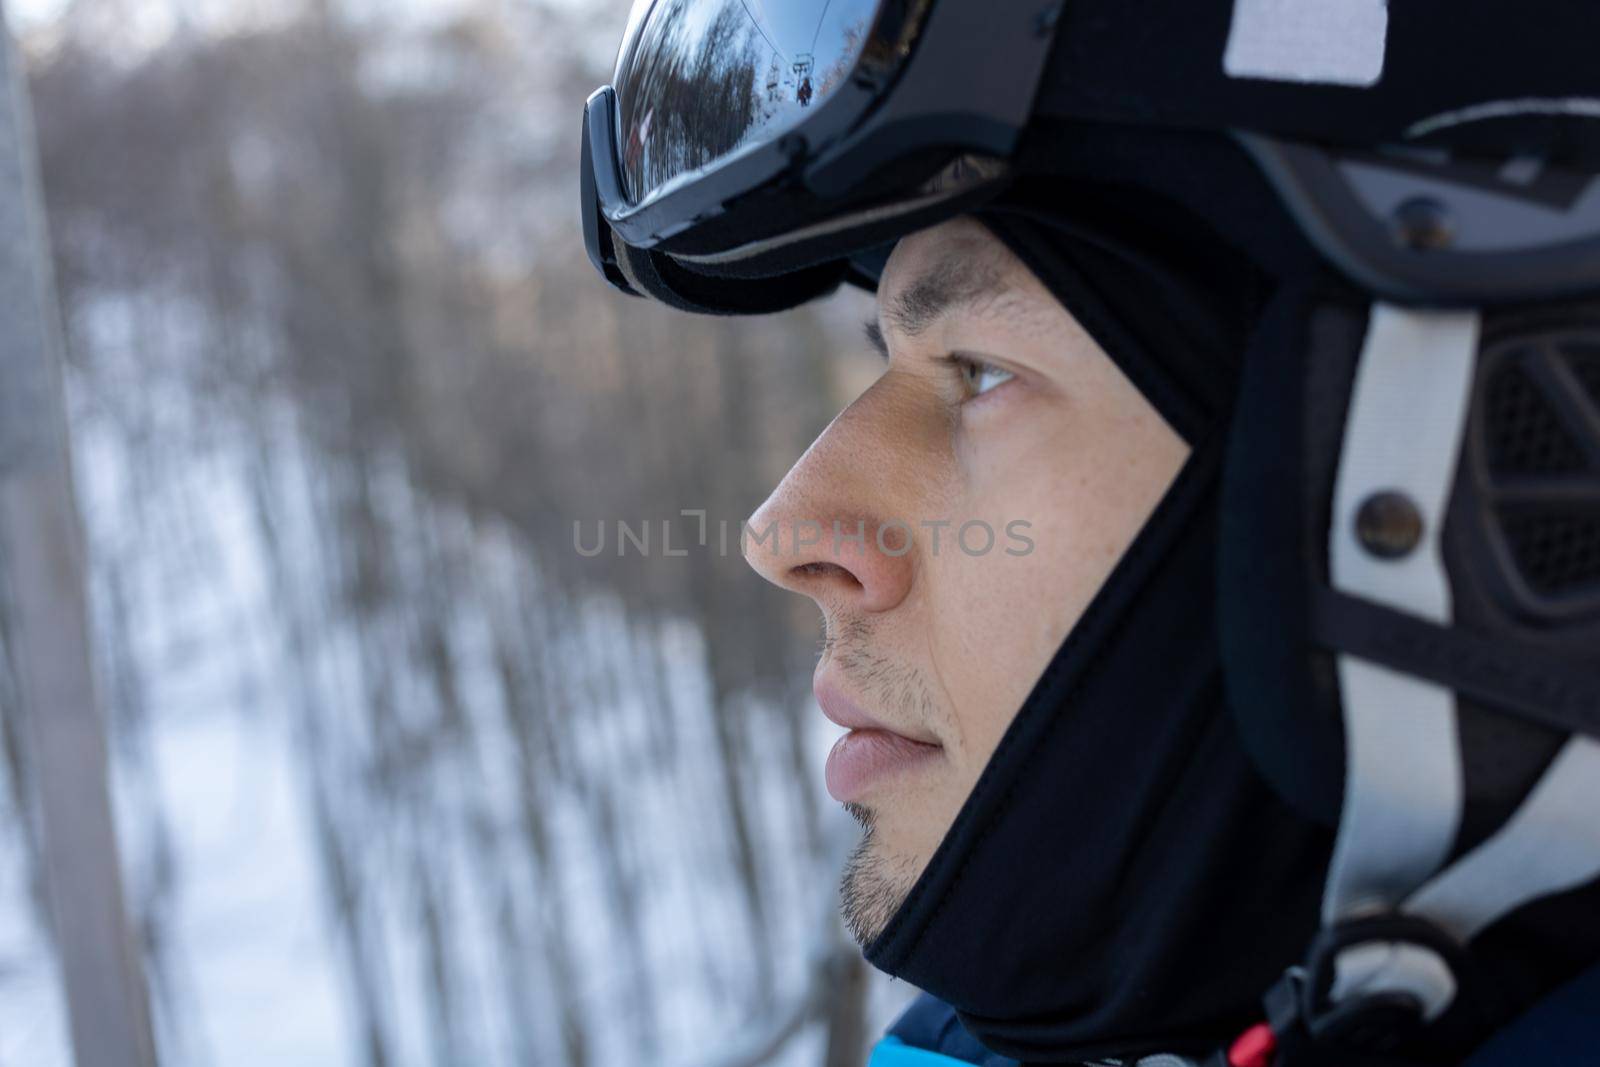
(997, 412)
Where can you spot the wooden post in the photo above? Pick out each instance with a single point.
(42, 598)
(845, 1014)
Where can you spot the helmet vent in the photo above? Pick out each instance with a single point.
(1539, 401)
(1585, 363)
(1555, 553)
(1525, 434)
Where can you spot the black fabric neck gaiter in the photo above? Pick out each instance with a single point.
(1121, 881)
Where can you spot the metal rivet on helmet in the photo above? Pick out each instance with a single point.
(1389, 524)
(1422, 223)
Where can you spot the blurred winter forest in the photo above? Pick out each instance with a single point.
(401, 777)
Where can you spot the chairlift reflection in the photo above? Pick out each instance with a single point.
(802, 73)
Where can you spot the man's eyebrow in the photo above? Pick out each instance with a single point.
(955, 282)
(875, 338)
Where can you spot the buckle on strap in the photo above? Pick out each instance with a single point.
(1368, 987)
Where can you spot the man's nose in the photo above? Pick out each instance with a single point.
(826, 532)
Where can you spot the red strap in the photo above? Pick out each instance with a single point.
(1256, 1047)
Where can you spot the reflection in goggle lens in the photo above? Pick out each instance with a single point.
(698, 80)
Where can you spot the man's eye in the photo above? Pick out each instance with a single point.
(981, 377)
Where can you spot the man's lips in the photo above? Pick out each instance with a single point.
(869, 752)
(842, 711)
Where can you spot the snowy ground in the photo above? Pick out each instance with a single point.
(219, 818)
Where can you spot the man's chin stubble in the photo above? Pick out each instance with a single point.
(874, 885)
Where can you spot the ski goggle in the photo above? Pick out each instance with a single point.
(734, 126)
(751, 154)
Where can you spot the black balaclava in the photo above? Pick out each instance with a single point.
(1121, 881)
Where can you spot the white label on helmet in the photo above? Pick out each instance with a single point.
(1335, 42)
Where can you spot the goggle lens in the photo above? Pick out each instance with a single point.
(698, 81)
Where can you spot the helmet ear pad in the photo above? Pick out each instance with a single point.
(1281, 458)
(1520, 542)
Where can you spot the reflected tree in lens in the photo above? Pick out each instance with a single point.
(689, 97)
(705, 78)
